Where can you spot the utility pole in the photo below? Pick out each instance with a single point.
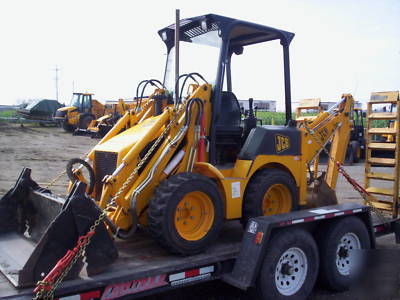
(56, 79)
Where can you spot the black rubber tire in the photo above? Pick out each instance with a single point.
(288, 238)
(328, 242)
(103, 130)
(67, 127)
(162, 206)
(356, 150)
(258, 186)
(84, 121)
(72, 177)
(350, 155)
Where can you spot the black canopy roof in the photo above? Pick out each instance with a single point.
(238, 32)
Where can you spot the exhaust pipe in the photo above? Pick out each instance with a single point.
(37, 229)
(177, 37)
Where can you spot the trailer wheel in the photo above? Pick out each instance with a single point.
(186, 213)
(270, 192)
(290, 266)
(341, 263)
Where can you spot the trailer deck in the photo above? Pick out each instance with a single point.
(141, 258)
(144, 268)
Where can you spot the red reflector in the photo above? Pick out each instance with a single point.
(90, 295)
(192, 273)
(259, 237)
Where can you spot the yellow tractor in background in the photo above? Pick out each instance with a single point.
(101, 126)
(82, 110)
(180, 162)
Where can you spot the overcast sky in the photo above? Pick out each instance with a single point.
(107, 47)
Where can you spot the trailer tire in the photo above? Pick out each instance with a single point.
(290, 266)
(256, 200)
(186, 213)
(335, 242)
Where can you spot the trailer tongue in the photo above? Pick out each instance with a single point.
(38, 228)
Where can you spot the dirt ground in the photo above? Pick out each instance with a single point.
(46, 151)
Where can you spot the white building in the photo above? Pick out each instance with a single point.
(266, 105)
(326, 105)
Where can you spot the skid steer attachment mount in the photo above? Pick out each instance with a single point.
(32, 240)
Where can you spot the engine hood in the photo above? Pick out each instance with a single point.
(67, 108)
(124, 141)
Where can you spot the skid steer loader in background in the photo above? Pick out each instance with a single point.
(178, 169)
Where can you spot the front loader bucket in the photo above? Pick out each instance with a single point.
(38, 228)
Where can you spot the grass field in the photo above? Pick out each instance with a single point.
(278, 118)
(8, 114)
(267, 117)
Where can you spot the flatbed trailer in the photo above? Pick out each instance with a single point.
(237, 258)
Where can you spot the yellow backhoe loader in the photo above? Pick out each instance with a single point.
(82, 110)
(98, 128)
(177, 168)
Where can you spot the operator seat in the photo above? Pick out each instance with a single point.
(230, 110)
(228, 122)
(228, 130)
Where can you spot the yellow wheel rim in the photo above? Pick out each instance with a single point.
(277, 200)
(194, 216)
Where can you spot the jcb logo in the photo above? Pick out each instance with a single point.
(281, 143)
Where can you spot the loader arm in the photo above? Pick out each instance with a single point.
(335, 126)
(173, 137)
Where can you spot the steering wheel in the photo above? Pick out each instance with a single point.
(72, 176)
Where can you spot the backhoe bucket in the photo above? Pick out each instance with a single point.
(322, 194)
(37, 229)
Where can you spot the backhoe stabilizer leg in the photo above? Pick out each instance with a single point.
(74, 218)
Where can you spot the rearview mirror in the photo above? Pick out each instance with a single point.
(238, 50)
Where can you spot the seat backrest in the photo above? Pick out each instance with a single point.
(230, 110)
